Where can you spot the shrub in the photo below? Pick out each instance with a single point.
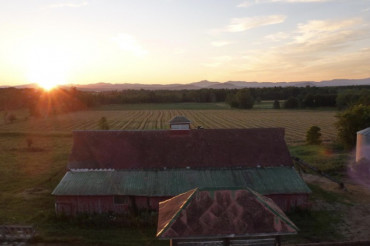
(313, 135)
(103, 124)
(12, 118)
(276, 104)
(29, 142)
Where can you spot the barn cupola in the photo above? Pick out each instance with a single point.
(180, 123)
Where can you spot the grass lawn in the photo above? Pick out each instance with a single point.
(326, 157)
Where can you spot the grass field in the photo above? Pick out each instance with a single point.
(157, 116)
(28, 175)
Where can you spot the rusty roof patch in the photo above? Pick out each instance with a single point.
(222, 212)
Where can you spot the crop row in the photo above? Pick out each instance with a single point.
(296, 123)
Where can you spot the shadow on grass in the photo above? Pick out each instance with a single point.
(316, 226)
(103, 229)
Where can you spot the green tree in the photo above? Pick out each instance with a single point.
(309, 101)
(231, 100)
(292, 102)
(313, 135)
(276, 104)
(350, 122)
(103, 124)
(244, 99)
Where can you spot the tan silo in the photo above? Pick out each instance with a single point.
(363, 144)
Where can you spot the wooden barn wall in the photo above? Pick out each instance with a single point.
(72, 205)
(288, 202)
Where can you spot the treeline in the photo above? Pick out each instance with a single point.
(301, 97)
(298, 97)
(60, 100)
(41, 103)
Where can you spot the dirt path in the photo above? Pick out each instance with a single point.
(356, 214)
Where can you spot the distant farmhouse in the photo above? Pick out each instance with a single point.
(123, 171)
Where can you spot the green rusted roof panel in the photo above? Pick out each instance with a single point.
(171, 182)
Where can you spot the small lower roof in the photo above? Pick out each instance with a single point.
(221, 213)
(171, 182)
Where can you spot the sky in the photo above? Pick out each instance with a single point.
(182, 41)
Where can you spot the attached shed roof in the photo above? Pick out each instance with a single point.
(193, 148)
(222, 212)
(179, 120)
(171, 182)
(365, 132)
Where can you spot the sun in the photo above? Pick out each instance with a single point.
(47, 68)
(47, 76)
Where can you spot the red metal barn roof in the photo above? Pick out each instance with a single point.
(223, 212)
(253, 147)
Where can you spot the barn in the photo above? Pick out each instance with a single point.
(221, 216)
(123, 171)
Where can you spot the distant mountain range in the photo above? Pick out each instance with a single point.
(207, 84)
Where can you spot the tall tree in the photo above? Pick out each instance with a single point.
(244, 99)
(350, 122)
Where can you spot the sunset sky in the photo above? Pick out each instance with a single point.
(181, 41)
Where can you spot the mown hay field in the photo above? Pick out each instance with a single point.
(295, 122)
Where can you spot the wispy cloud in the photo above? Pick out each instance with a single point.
(278, 36)
(179, 51)
(67, 5)
(244, 24)
(218, 61)
(245, 4)
(292, 1)
(323, 31)
(313, 47)
(129, 44)
(221, 43)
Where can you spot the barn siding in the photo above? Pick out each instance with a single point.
(72, 205)
(288, 202)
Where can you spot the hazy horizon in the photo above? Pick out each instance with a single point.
(179, 42)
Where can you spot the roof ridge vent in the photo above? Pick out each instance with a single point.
(180, 123)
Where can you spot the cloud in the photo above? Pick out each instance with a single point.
(244, 4)
(327, 32)
(221, 43)
(218, 61)
(331, 47)
(243, 24)
(292, 1)
(278, 36)
(67, 4)
(129, 44)
(179, 51)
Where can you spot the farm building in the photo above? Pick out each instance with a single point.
(119, 171)
(363, 145)
(222, 216)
